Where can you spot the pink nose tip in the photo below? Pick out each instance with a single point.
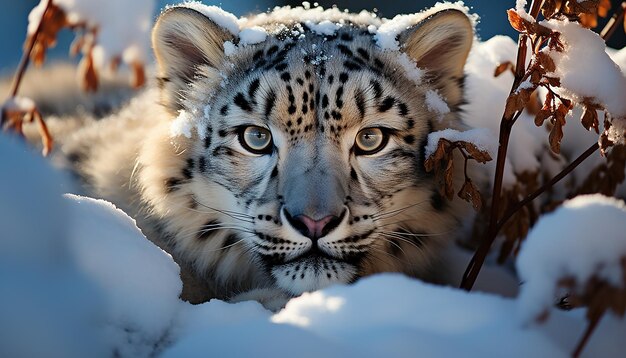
(315, 227)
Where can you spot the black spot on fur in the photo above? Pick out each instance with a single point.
(410, 123)
(291, 109)
(202, 164)
(360, 103)
(324, 101)
(230, 241)
(274, 172)
(242, 102)
(336, 115)
(352, 66)
(331, 79)
(307, 74)
(300, 81)
(281, 66)
(269, 103)
(345, 50)
(361, 51)
(224, 110)
(207, 140)
(272, 50)
(346, 37)
(409, 139)
(343, 77)
(404, 110)
(378, 63)
(285, 76)
(188, 169)
(386, 104)
(257, 55)
(222, 133)
(254, 86)
(353, 174)
(437, 201)
(172, 184)
(338, 100)
(207, 230)
(377, 88)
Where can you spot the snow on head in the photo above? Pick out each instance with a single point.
(222, 18)
(252, 35)
(585, 237)
(387, 33)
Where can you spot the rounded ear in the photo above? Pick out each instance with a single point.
(184, 39)
(440, 44)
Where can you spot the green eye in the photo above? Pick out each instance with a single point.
(370, 141)
(256, 140)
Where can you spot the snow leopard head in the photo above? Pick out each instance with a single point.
(303, 159)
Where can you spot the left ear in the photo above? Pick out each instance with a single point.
(440, 45)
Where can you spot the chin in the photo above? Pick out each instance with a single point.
(312, 273)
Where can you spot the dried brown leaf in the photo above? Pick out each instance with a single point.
(589, 118)
(138, 75)
(448, 179)
(556, 133)
(479, 155)
(470, 193)
(517, 101)
(52, 21)
(549, 8)
(504, 66)
(545, 61)
(517, 21)
(88, 74)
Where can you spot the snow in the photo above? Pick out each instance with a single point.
(585, 69)
(325, 27)
(222, 18)
(386, 36)
(436, 104)
(84, 281)
(481, 137)
(252, 35)
(582, 238)
(19, 104)
(116, 36)
(183, 124)
(411, 70)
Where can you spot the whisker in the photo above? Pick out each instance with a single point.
(387, 214)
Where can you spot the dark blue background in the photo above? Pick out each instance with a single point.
(493, 20)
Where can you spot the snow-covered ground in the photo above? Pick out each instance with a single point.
(79, 279)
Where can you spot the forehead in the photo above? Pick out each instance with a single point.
(305, 82)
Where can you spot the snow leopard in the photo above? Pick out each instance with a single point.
(273, 167)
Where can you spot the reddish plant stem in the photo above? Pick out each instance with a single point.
(506, 124)
(583, 340)
(613, 22)
(25, 60)
(547, 185)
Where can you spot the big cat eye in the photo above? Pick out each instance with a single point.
(257, 140)
(370, 141)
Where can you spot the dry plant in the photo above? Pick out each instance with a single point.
(507, 214)
(18, 110)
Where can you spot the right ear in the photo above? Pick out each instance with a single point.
(183, 40)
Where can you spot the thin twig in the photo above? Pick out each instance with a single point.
(25, 60)
(613, 22)
(506, 124)
(583, 340)
(547, 185)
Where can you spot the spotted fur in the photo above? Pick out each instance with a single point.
(224, 213)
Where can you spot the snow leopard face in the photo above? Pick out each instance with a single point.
(306, 164)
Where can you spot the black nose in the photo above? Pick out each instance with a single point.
(312, 228)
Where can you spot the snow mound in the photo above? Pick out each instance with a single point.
(140, 282)
(582, 238)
